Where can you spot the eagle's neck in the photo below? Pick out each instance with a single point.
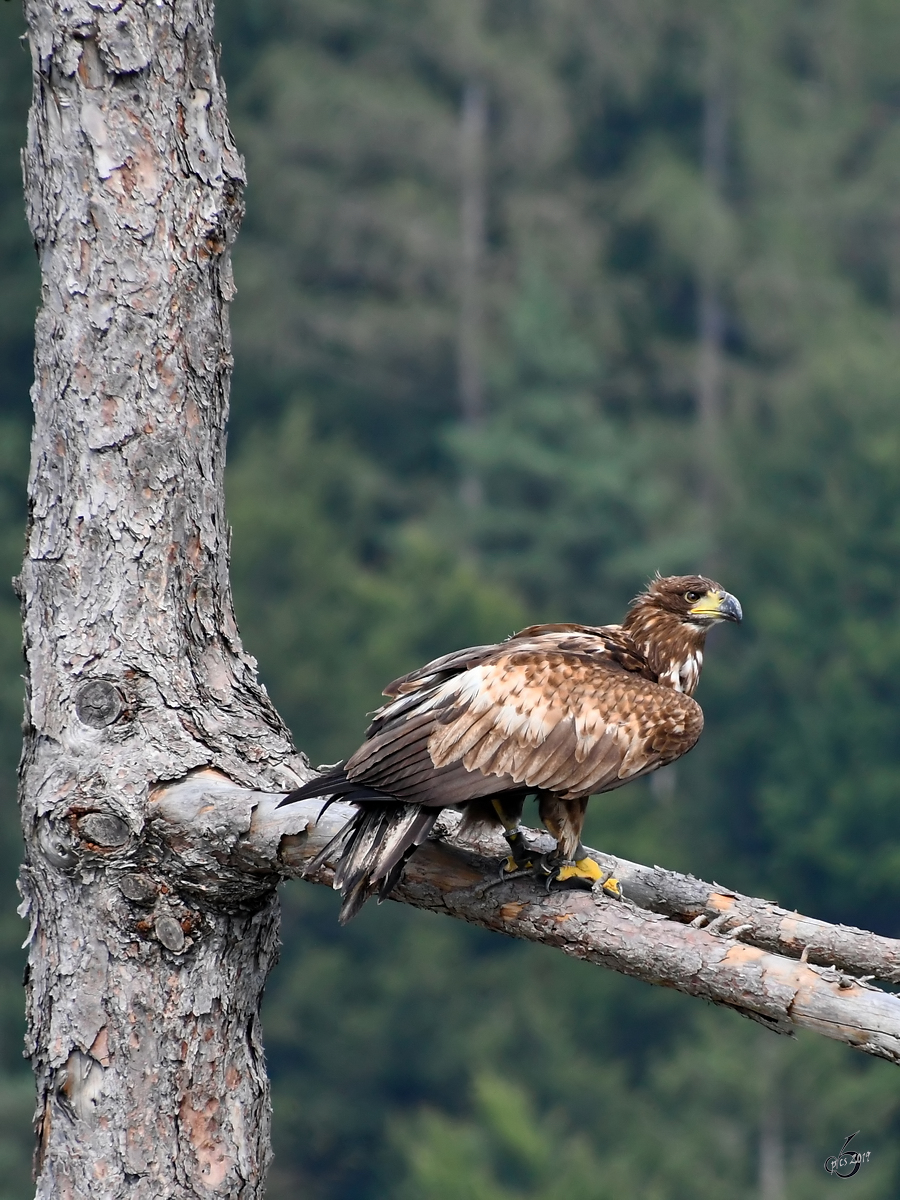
(673, 649)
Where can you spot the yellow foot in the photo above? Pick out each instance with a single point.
(511, 867)
(585, 870)
(518, 858)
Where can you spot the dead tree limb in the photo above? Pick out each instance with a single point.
(216, 828)
(761, 922)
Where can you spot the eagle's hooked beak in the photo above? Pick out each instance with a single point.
(717, 606)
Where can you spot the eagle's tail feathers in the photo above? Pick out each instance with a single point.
(334, 848)
(372, 849)
(334, 784)
(353, 899)
(402, 833)
(415, 834)
(361, 854)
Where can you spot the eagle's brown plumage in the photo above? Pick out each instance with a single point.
(558, 711)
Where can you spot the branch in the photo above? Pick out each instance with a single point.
(720, 910)
(222, 832)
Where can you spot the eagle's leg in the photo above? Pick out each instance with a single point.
(509, 812)
(565, 820)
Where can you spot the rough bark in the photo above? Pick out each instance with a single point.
(143, 998)
(219, 830)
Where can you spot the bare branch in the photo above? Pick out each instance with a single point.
(219, 830)
(762, 923)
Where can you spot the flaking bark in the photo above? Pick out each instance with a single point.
(143, 997)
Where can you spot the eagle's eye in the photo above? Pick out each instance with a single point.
(692, 597)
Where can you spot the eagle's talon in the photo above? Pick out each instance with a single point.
(519, 857)
(548, 867)
(508, 872)
(585, 872)
(608, 886)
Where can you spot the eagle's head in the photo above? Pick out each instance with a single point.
(692, 599)
(670, 620)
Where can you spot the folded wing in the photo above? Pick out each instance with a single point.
(553, 712)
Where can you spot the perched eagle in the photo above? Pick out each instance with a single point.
(560, 712)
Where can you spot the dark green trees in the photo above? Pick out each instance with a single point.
(639, 166)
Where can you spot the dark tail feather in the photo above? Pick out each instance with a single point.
(371, 851)
(383, 839)
(334, 784)
(415, 836)
(334, 849)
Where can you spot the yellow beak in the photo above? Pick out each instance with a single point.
(717, 606)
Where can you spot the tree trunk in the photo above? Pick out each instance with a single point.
(143, 997)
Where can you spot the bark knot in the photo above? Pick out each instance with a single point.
(99, 703)
(103, 831)
(169, 933)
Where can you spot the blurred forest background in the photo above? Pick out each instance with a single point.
(536, 297)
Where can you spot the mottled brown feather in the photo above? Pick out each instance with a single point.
(552, 709)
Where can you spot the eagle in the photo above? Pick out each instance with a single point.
(560, 712)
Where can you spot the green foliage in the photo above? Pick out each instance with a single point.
(694, 1128)
(347, 264)
(16, 1085)
(337, 599)
(708, 1103)
(18, 301)
(816, 757)
(19, 282)
(506, 1152)
(579, 505)
(592, 476)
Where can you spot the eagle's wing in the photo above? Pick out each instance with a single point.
(555, 712)
(460, 660)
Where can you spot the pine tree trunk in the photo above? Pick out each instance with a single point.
(143, 993)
